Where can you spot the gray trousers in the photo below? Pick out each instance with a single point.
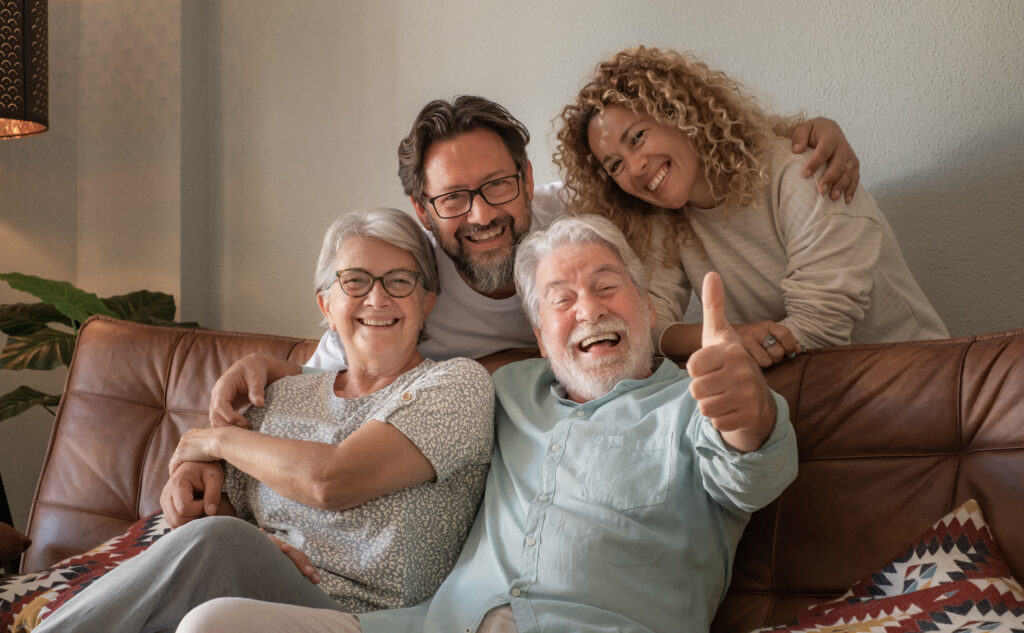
(204, 559)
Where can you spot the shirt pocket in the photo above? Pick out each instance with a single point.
(627, 473)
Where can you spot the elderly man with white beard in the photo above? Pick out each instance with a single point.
(619, 484)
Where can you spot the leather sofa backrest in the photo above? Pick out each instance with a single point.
(891, 438)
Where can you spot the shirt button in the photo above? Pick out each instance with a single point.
(555, 447)
(543, 498)
(531, 541)
(579, 413)
(516, 593)
(407, 396)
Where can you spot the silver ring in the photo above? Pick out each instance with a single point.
(768, 340)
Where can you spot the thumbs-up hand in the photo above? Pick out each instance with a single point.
(716, 329)
(727, 384)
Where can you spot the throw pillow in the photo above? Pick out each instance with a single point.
(25, 600)
(12, 543)
(952, 579)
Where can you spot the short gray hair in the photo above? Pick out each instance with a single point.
(384, 224)
(583, 229)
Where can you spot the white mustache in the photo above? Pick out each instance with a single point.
(611, 325)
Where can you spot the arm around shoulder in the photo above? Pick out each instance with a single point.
(244, 383)
(832, 149)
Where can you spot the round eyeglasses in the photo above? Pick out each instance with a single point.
(356, 282)
(494, 192)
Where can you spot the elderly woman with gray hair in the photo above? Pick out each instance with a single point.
(367, 479)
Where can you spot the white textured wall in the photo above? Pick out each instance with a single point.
(96, 200)
(129, 146)
(312, 98)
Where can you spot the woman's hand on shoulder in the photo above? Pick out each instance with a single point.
(768, 342)
(830, 147)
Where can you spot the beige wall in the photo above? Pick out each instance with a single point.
(313, 98)
(96, 199)
(232, 132)
(38, 193)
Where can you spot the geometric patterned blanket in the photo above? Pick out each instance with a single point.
(27, 599)
(953, 579)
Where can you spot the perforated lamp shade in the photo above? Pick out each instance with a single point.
(24, 84)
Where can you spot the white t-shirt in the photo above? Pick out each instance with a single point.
(463, 321)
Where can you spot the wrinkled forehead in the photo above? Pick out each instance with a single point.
(578, 264)
(373, 254)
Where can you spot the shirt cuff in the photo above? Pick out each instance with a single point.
(658, 333)
(710, 442)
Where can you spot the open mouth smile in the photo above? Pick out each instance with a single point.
(377, 322)
(606, 340)
(653, 184)
(487, 235)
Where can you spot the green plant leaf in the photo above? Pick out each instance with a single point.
(72, 302)
(22, 399)
(43, 349)
(19, 319)
(143, 306)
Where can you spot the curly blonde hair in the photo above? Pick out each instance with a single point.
(729, 130)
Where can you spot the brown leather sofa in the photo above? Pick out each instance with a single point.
(891, 437)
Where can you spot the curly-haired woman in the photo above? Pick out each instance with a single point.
(699, 178)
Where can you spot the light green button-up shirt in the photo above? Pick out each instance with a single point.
(619, 514)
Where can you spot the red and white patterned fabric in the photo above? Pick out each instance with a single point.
(952, 580)
(27, 599)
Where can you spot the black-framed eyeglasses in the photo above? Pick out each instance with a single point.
(494, 192)
(399, 282)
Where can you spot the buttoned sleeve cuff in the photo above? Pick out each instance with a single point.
(748, 481)
(658, 333)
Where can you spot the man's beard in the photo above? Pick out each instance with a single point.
(487, 273)
(592, 379)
